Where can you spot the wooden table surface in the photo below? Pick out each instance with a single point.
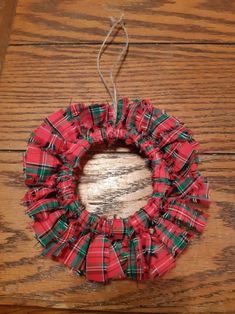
(182, 57)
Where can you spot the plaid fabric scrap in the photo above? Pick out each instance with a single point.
(142, 246)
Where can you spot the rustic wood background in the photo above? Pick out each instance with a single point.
(182, 57)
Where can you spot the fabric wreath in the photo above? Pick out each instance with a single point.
(142, 246)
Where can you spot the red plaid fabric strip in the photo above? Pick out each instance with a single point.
(152, 207)
(92, 116)
(96, 261)
(118, 228)
(44, 137)
(51, 229)
(39, 164)
(161, 261)
(174, 238)
(55, 247)
(114, 268)
(76, 151)
(161, 179)
(199, 191)
(40, 208)
(184, 215)
(43, 227)
(76, 255)
(62, 126)
(76, 109)
(139, 221)
(35, 194)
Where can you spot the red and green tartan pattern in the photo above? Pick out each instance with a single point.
(142, 246)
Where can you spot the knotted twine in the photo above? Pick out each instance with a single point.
(142, 246)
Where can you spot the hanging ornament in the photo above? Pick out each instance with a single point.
(142, 246)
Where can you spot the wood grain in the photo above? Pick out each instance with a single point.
(202, 282)
(74, 21)
(182, 58)
(7, 11)
(16, 309)
(193, 82)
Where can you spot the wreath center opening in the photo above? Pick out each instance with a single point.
(114, 180)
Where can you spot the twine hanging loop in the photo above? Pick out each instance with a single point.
(113, 94)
